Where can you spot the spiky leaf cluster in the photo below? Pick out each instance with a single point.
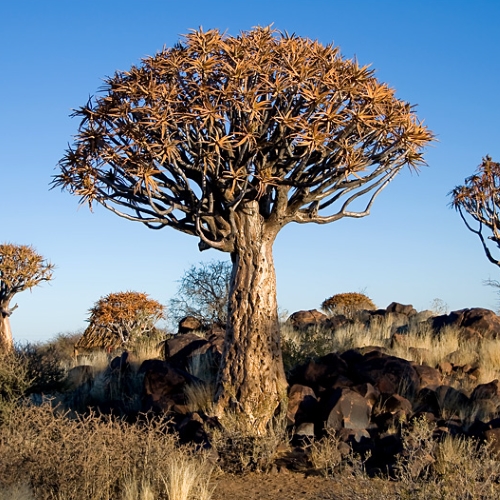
(347, 304)
(189, 135)
(119, 318)
(21, 268)
(479, 197)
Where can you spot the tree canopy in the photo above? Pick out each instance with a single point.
(21, 268)
(119, 319)
(479, 198)
(184, 138)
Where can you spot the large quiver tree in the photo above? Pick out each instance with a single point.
(478, 202)
(21, 268)
(228, 139)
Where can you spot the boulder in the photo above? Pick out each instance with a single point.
(389, 374)
(397, 404)
(302, 405)
(320, 373)
(476, 322)
(163, 386)
(348, 410)
(486, 391)
(451, 399)
(183, 346)
(428, 376)
(301, 320)
(189, 324)
(408, 310)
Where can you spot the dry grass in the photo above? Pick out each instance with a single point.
(238, 452)
(89, 457)
(16, 492)
(187, 479)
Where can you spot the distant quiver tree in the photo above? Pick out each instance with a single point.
(478, 203)
(348, 304)
(21, 268)
(229, 139)
(120, 319)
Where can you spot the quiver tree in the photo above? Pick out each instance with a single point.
(347, 304)
(229, 139)
(119, 320)
(479, 198)
(21, 268)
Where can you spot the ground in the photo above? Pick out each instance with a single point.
(274, 486)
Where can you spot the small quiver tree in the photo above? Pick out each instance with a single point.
(479, 199)
(347, 304)
(120, 320)
(21, 268)
(229, 139)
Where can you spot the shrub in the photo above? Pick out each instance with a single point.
(14, 382)
(92, 457)
(203, 293)
(347, 304)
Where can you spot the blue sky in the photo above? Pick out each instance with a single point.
(441, 55)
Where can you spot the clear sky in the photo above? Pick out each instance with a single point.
(441, 55)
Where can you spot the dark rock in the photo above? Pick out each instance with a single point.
(352, 357)
(397, 403)
(302, 405)
(389, 374)
(301, 320)
(183, 345)
(475, 322)
(486, 391)
(451, 399)
(164, 385)
(349, 410)
(189, 324)
(428, 377)
(427, 401)
(407, 310)
(321, 373)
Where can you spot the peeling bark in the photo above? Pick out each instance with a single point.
(251, 378)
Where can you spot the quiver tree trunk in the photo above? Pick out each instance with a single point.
(6, 340)
(251, 379)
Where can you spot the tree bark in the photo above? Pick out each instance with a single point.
(6, 340)
(251, 379)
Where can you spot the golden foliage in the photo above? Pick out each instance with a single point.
(119, 318)
(21, 268)
(218, 119)
(347, 303)
(480, 198)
